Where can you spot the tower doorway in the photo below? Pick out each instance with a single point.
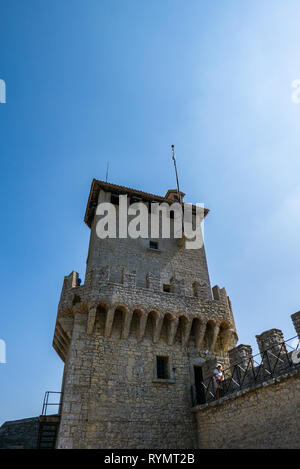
(199, 387)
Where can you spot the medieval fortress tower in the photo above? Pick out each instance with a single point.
(142, 334)
(142, 330)
(139, 340)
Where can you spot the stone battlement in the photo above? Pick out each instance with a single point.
(101, 288)
(265, 416)
(258, 402)
(208, 323)
(271, 340)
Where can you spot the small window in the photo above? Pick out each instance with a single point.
(153, 245)
(176, 198)
(162, 367)
(114, 199)
(167, 288)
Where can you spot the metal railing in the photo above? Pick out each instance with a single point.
(48, 402)
(275, 361)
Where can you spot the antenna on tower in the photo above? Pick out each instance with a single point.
(177, 181)
(181, 241)
(107, 166)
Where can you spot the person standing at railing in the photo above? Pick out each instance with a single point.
(218, 377)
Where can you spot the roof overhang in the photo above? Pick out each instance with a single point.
(98, 185)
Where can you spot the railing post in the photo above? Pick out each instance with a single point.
(43, 409)
(46, 402)
(269, 363)
(47, 399)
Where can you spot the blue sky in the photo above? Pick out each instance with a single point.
(120, 81)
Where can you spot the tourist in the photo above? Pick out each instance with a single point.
(218, 377)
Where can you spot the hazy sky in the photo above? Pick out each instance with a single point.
(93, 81)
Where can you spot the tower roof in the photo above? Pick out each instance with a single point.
(97, 185)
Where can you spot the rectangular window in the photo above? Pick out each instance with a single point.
(153, 245)
(162, 367)
(167, 288)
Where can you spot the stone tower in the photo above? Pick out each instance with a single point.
(137, 337)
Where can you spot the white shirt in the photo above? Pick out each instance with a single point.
(217, 374)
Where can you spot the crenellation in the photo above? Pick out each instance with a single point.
(240, 355)
(129, 278)
(272, 339)
(296, 322)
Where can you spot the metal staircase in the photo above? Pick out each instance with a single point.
(49, 424)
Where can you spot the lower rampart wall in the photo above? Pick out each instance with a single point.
(267, 416)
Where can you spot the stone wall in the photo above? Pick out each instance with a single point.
(19, 434)
(189, 265)
(112, 398)
(267, 416)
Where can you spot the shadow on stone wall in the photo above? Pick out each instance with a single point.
(19, 434)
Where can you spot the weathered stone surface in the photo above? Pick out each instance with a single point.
(240, 355)
(267, 416)
(19, 434)
(296, 321)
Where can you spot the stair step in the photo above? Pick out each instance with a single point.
(48, 431)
